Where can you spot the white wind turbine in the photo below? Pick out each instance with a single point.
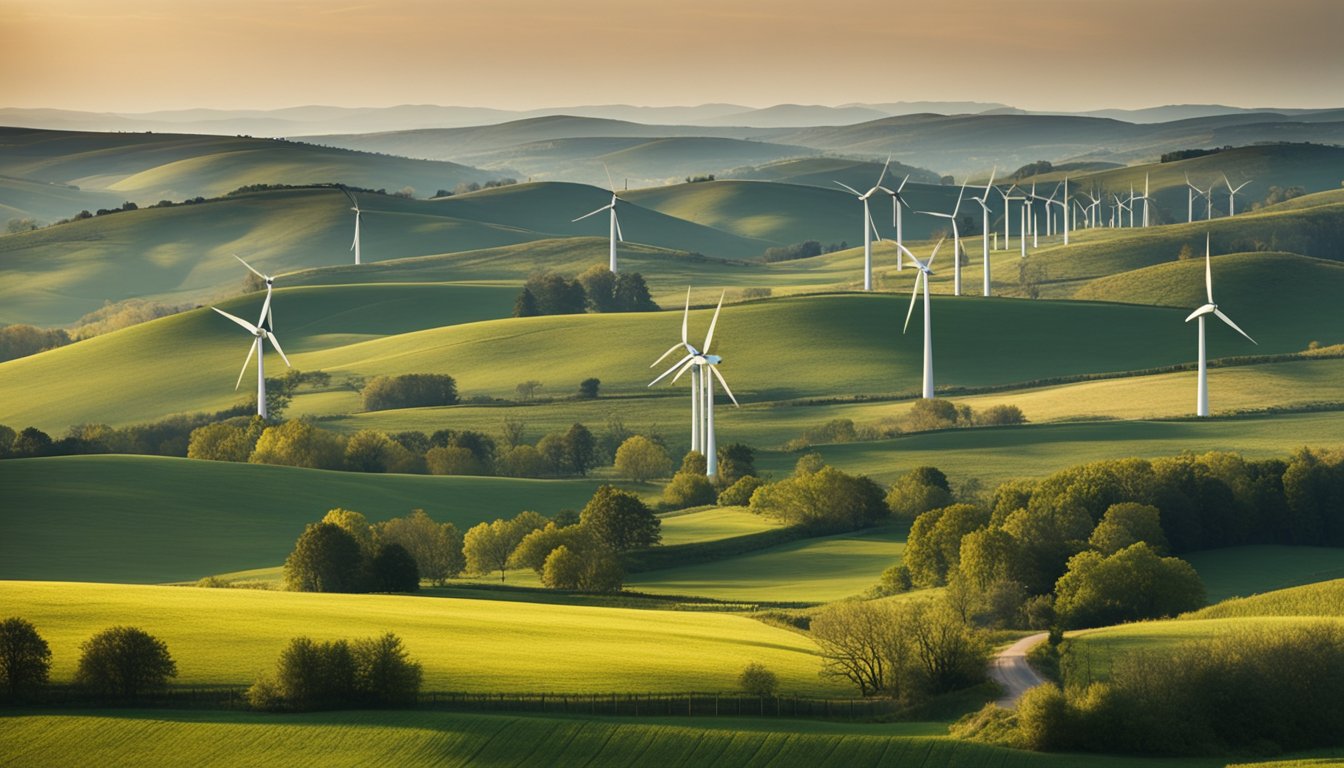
(1063, 204)
(615, 222)
(354, 203)
(704, 369)
(983, 200)
(869, 228)
(1202, 397)
(1091, 210)
(897, 221)
(1145, 198)
(1006, 195)
(922, 278)
(1232, 194)
(260, 334)
(956, 240)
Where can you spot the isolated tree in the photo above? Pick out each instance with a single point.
(394, 570)
(756, 680)
(325, 559)
(588, 388)
(25, 658)
(641, 459)
(527, 390)
(580, 449)
(124, 662)
(436, 547)
(918, 491)
(620, 520)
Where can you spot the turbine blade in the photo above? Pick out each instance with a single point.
(883, 175)
(265, 307)
(1204, 310)
(929, 264)
(276, 343)
(688, 366)
(250, 349)
(686, 318)
(960, 195)
(1219, 314)
(674, 348)
(617, 219)
(907, 178)
(872, 224)
(991, 180)
(719, 376)
(252, 329)
(594, 213)
(709, 337)
(249, 266)
(856, 192)
(914, 296)
(672, 370)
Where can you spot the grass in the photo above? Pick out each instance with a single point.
(1320, 599)
(413, 739)
(1244, 571)
(712, 525)
(478, 646)
(812, 570)
(154, 519)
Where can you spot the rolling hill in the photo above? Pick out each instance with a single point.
(825, 171)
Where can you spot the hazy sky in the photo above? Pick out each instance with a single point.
(139, 55)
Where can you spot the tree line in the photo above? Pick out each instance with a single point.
(596, 290)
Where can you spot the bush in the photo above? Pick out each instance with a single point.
(385, 675)
(826, 500)
(394, 570)
(1043, 720)
(641, 459)
(412, 390)
(1130, 585)
(453, 460)
(756, 680)
(999, 416)
(688, 489)
(124, 662)
(619, 520)
(596, 570)
(588, 388)
(918, 491)
(739, 494)
(225, 440)
(310, 675)
(25, 658)
(299, 444)
(371, 451)
(326, 558)
(523, 461)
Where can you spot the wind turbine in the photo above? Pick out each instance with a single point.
(956, 240)
(260, 334)
(704, 369)
(1063, 204)
(615, 223)
(1232, 194)
(270, 281)
(983, 200)
(922, 278)
(869, 228)
(354, 202)
(1202, 398)
(1006, 197)
(1144, 198)
(898, 200)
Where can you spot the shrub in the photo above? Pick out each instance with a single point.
(688, 489)
(1000, 415)
(385, 675)
(225, 441)
(312, 675)
(739, 494)
(453, 460)
(1043, 721)
(412, 390)
(299, 444)
(918, 491)
(25, 658)
(523, 461)
(756, 680)
(1132, 584)
(326, 558)
(588, 388)
(827, 500)
(619, 520)
(124, 662)
(641, 459)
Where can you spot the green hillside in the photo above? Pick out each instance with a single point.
(1321, 599)
(47, 202)
(825, 171)
(155, 519)
(479, 646)
(148, 167)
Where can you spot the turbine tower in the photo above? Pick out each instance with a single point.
(1063, 204)
(1202, 396)
(922, 278)
(354, 203)
(869, 228)
(956, 240)
(897, 221)
(1007, 235)
(983, 200)
(1232, 194)
(615, 222)
(260, 334)
(1145, 198)
(704, 369)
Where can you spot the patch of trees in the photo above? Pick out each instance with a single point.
(699, 179)
(825, 500)
(1090, 545)
(16, 225)
(1188, 154)
(803, 250)
(906, 650)
(597, 290)
(690, 487)
(22, 340)
(1244, 690)
(473, 186)
(120, 663)
(312, 675)
(1032, 169)
(122, 314)
(925, 415)
(411, 390)
(345, 553)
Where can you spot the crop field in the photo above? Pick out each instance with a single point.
(413, 739)
(127, 518)
(812, 570)
(476, 646)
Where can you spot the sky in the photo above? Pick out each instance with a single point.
(145, 55)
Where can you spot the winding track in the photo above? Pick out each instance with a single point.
(1011, 670)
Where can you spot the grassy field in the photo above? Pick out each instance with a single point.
(812, 570)
(712, 524)
(412, 739)
(464, 645)
(1324, 598)
(1244, 571)
(152, 519)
